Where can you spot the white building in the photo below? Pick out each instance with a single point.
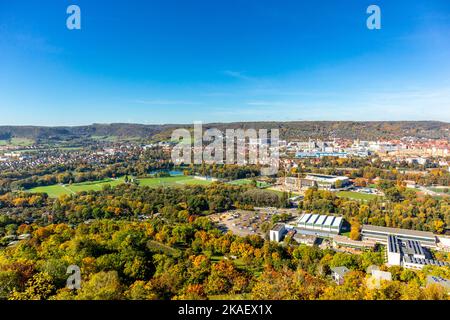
(393, 251)
(380, 235)
(277, 232)
(409, 254)
(324, 181)
(324, 223)
(338, 274)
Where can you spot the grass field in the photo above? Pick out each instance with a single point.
(356, 195)
(55, 191)
(170, 181)
(18, 142)
(440, 190)
(240, 182)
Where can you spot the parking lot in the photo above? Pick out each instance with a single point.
(244, 222)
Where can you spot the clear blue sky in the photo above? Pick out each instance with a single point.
(170, 61)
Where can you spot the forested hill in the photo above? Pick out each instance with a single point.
(288, 130)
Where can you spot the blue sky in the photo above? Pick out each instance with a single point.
(223, 60)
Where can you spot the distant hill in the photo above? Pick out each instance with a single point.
(370, 130)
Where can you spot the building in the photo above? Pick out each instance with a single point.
(292, 183)
(305, 239)
(320, 154)
(321, 224)
(338, 274)
(376, 278)
(380, 235)
(327, 181)
(341, 241)
(394, 254)
(409, 254)
(277, 232)
(444, 243)
(381, 275)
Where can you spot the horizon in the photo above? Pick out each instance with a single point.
(211, 123)
(177, 62)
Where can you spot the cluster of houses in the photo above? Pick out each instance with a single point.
(28, 160)
(376, 276)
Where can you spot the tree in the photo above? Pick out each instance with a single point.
(9, 281)
(393, 194)
(355, 233)
(39, 287)
(101, 286)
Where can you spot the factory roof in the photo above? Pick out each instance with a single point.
(397, 231)
(304, 218)
(313, 219)
(320, 220)
(329, 221)
(337, 222)
(278, 227)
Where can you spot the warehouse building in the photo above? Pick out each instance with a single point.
(322, 224)
(380, 235)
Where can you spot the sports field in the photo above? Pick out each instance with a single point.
(259, 184)
(356, 195)
(55, 191)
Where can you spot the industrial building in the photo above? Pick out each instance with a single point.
(320, 181)
(328, 182)
(380, 235)
(409, 254)
(277, 232)
(325, 223)
(308, 227)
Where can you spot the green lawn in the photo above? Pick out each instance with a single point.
(259, 184)
(241, 182)
(19, 142)
(171, 181)
(55, 191)
(356, 195)
(440, 190)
